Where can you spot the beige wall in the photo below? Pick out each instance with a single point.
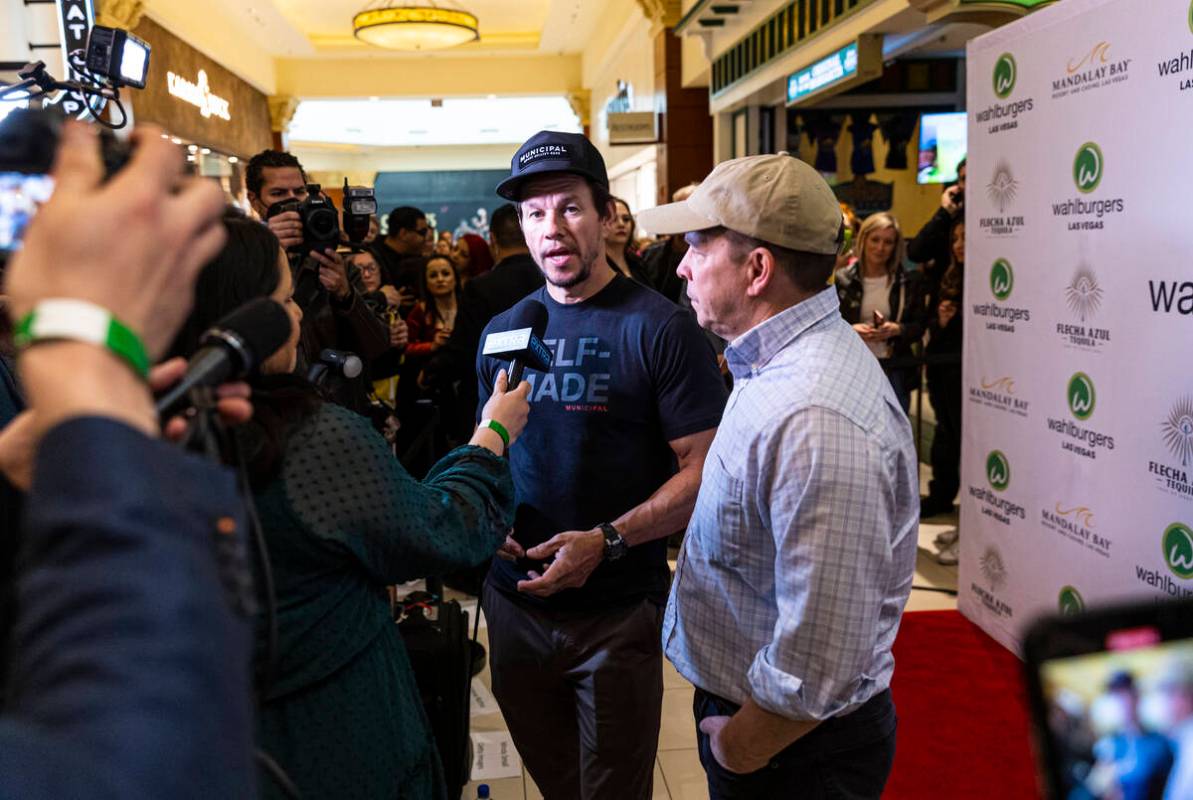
(330, 165)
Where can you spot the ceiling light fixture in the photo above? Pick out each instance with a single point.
(420, 26)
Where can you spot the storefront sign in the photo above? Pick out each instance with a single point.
(75, 18)
(199, 94)
(850, 66)
(634, 127)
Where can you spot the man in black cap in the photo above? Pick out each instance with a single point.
(607, 468)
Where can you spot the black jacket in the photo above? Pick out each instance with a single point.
(932, 248)
(659, 262)
(907, 300)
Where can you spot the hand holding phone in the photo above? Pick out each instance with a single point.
(879, 319)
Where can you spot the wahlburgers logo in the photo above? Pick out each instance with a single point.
(1069, 602)
(1175, 66)
(1178, 550)
(1087, 167)
(1082, 397)
(998, 475)
(998, 471)
(1005, 74)
(1002, 279)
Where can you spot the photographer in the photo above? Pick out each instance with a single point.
(931, 246)
(131, 675)
(336, 316)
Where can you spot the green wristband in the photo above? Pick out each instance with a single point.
(497, 428)
(80, 321)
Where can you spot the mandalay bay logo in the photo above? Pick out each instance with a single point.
(1076, 524)
(1176, 547)
(1069, 601)
(1090, 71)
(1002, 191)
(1176, 430)
(999, 394)
(998, 476)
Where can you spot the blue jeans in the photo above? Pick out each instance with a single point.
(844, 758)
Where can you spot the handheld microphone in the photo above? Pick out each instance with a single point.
(523, 343)
(231, 349)
(339, 361)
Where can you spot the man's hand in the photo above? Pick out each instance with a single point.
(287, 226)
(149, 230)
(333, 273)
(18, 446)
(948, 200)
(510, 550)
(724, 749)
(945, 312)
(392, 296)
(441, 337)
(577, 554)
(399, 333)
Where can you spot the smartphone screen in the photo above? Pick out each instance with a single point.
(1117, 719)
(21, 194)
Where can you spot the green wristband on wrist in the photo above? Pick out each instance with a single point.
(66, 319)
(497, 428)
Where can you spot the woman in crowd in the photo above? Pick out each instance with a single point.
(386, 301)
(883, 301)
(944, 390)
(472, 257)
(434, 316)
(619, 242)
(342, 520)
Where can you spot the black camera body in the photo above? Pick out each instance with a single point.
(320, 220)
(29, 142)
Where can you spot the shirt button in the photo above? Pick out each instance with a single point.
(226, 526)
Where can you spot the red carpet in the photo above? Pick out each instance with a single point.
(963, 718)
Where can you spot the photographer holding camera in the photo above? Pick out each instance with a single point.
(335, 314)
(932, 246)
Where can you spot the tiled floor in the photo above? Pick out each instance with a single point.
(678, 774)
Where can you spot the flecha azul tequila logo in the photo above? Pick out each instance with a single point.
(1176, 431)
(1176, 548)
(999, 393)
(1002, 191)
(998, 479)
(1001, 317)
(994, 573)
(1004, 116)
(1092, 70)
(1081, 398)
(1082, 214)
(1178, 67)
(1075, 523)
(1083, 296)
(1069, 601)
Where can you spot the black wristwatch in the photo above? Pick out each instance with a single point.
(615, 546)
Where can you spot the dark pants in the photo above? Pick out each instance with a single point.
(902, 381)
(844, 758)
(945, 393)
(582, 694)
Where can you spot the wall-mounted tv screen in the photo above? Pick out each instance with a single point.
(942, 146)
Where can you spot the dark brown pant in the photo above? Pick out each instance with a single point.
(582, 695)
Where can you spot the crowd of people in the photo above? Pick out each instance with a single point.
(733, 379)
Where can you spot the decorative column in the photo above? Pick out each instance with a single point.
(281, 111)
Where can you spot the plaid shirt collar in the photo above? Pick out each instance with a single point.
(754, 349)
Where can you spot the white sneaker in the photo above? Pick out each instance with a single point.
(946, 538)
(948, 555)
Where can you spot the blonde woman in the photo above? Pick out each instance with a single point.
(883, 302)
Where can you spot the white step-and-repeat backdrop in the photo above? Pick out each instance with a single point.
(1077, 467)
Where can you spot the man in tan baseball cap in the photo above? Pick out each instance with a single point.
(799, 557)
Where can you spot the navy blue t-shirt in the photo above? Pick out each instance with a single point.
(631, 372)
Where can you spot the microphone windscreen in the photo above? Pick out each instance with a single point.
(262, 324)
(530, 315)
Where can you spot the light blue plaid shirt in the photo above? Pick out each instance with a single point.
(800, 553)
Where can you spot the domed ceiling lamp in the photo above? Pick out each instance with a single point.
(417, 26)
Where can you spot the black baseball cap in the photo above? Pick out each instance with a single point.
(551, 151)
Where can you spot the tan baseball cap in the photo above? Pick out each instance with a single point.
(776, 198)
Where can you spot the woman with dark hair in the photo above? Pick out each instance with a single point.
(944, 390)
(472, 256)
(619, 243)
(342, 520)
(883, 302)
(434, 315)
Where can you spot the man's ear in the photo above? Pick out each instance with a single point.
(760, 266)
